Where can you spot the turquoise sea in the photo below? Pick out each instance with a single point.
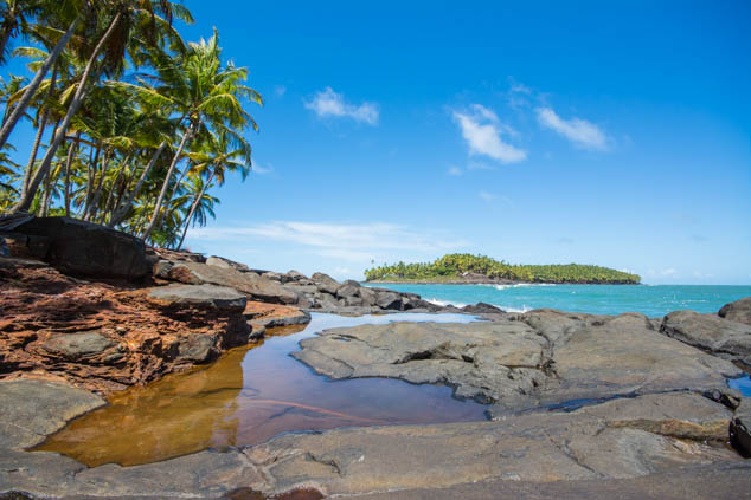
(654, 301)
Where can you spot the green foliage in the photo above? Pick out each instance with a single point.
(458, 266)
(156, 125)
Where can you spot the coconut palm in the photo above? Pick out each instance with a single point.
(207, 95)
(118, 19)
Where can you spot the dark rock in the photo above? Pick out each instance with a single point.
(482, 308)
(32, 409)
(740, 428)
(85, 249)
(272, 276)
(520, 365)
(325, 283)
(75, 346)
(197, 348)
(347, 291)
(251, 284)
(738, 311)
(389, 301)
(709, 332)
(292, 277)
(201, 296)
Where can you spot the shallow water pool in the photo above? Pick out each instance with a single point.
(250, 395)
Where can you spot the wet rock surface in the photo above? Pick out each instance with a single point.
(32, 409)
(541, 359)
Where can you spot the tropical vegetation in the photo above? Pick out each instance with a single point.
(133, 126)
(459, 267)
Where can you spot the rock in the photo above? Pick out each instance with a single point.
(389, 301)
(705, 481)
(197, 349)
(226, 263)
(105, 338)
(292, 277)
(264, 316)
(201, 296)
(216, 261)
(546, 448)
(720, 336)
(738, 311)
(348, 291)
(518, 365)
(740, 428)
(77, 345)
(32, 409)
(251, 284)
(482, 308)
(84, 249)
(325, 283)
(272, 276)
(368, 296)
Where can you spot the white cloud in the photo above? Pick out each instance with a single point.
(482, 130)
(351, 242)
(455, 171)
(327, 102)
(258, 169)
(581, 133)
(487, 197)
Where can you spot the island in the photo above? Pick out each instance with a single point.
(465, 268)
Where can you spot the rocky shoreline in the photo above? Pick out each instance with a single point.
(581, 405)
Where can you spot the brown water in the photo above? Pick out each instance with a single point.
(248, 396)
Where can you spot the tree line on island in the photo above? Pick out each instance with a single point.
(464, 267)
(132, 125)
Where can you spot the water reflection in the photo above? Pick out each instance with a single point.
(248, 396)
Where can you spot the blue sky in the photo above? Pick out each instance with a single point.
(613, 133)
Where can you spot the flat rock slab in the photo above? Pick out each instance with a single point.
(710, 482)
(543, 447)
(32, 409)
(632, 439)
(205, 296)
(77, 345)
(257, 287)
(710, 332)
(544, 359)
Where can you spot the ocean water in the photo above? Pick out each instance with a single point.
(654, 301)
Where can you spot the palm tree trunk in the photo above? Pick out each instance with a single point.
(97, 196)
(193, 207)
(40, 133)
(156, 216)
(96, 150)
(20, 108)
(111, 197)
(122, 208)
(34, 150)
(25, 201)
(68, 162)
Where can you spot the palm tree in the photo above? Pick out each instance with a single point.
(69, 13)
(207, 96)
(119, 19)
(212, 162)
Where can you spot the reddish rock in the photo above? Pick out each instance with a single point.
(103, 337)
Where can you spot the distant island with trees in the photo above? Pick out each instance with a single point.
(464, 268)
